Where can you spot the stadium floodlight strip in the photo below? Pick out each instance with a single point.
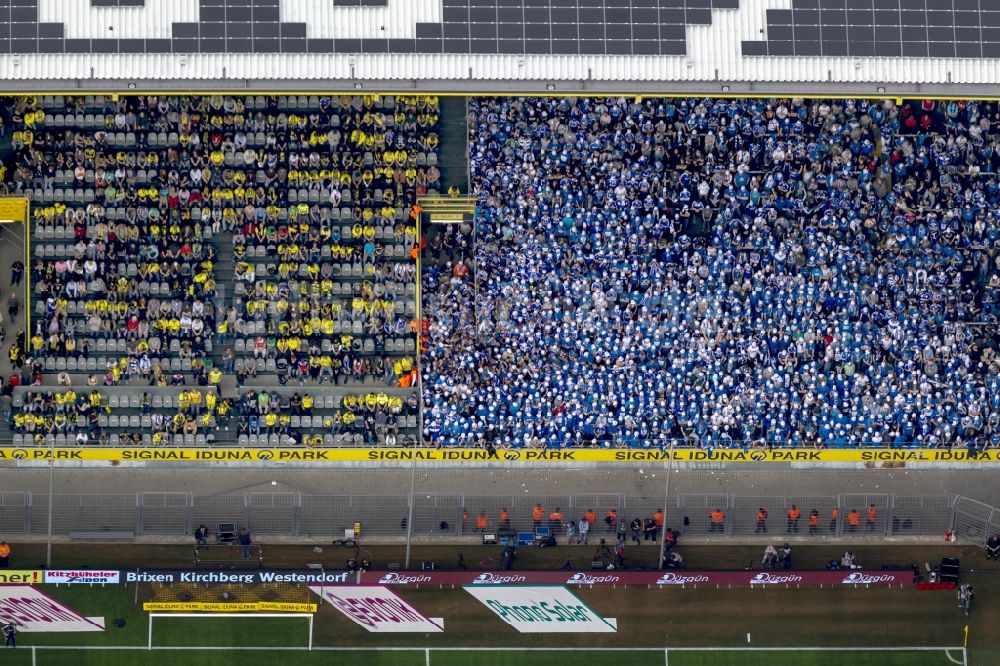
(149, 644)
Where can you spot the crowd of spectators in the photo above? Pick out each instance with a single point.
(90, 417)
(314, 193)
(137, 269)
(704, 272)
(334, 299)
(370, 418)
(721, 273)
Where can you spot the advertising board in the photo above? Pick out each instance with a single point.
(459, 456)
(82, 576)
(308, 577)
(237, 607)
(660, 578)
(378, 609)
(33, 610)
(541, 609)
(22, 576)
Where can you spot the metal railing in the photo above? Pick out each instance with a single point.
(453, 514)
(975, 521)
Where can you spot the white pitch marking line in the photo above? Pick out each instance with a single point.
(947, 653)
(215, 648)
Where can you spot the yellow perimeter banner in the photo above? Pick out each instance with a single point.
(513, 456)
(25, 576)
(242, 607)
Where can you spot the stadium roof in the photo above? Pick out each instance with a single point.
(710, 46)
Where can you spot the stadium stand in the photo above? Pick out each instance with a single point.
(707, 272)
(720, 273)
(121, 416)
(194, 241)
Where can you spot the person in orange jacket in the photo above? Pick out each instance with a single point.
(611, 519)
(853, 520)
(813, 521)
(718, 521)
(761, 521)
(537, 514)
(555, 521)
(793, 519)
(834, 516)
(871, 518)
(504, 517)
(482, 522)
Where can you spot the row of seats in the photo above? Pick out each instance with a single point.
(114, 439)
(99, 363)
(392, 345)
(65, 192)
(95, 103)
